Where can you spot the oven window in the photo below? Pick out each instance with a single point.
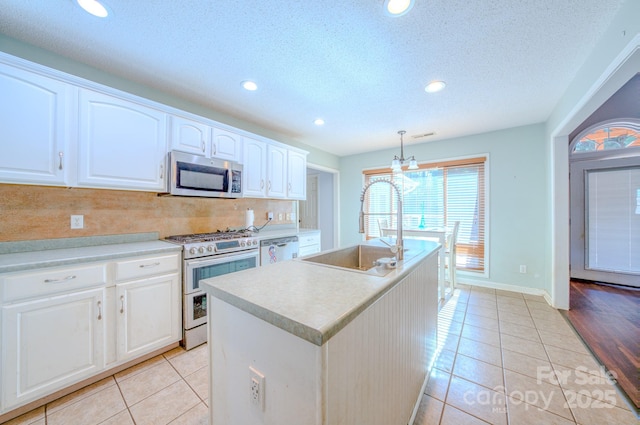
(199, 306)
(220, 269)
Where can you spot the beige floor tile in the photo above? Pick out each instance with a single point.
(482, 300)
(502, 300)
(521, 413)
(510, 294)
(438, 384)
(429, 411)
(198, 415)
(122, 418)
(199, 382)
(76, 396)
(480, 351)
(477, 401)
(445, 360)
(554, 324)
(526, 365)
(189, 361)
(453, 416)
(449, 327)
(571, 359)
(520, 331)
(594, 412)
(174, 352)
(93, 409)
(165, 405)
(479, 372)
(448, 342)
(537, 392)
(568, 342)
(481, 310)
(518, 319)
(148, 382)
(532, 297)
(481, 321)
(140, 367)
(453, 315)
(483, 290)
(35, 416)
(524, 346)
(476, 333)
(539, 305)
(545, 314)
(514, 309)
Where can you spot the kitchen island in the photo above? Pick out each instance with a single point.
(320, 344)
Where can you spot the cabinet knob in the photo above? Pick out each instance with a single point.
(161, 171)
(60, 154)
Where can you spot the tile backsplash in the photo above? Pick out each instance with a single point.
(42, 212)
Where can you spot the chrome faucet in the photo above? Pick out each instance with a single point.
(399, 242)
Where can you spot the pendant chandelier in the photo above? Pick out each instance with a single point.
(399, 162)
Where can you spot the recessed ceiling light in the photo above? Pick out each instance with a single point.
(318, 121)
(397, 7)
(94, 7)
(435, 86)
(249, 85)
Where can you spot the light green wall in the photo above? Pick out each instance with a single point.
(52, 60)
(517, 197)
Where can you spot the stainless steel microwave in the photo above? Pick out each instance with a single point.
(193, 175)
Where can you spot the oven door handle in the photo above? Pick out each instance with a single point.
(222, 258)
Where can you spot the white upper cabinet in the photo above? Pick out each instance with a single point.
(121, 144)
(190, 136)
(296, 175)
(276, 172)
(254, 172)
(34, 129)
(226, 145)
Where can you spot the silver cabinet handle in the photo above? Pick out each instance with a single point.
(64, 279)
(213, 146)
(289, 186)
(269, 185)
(202, 145)
(142, 266)
(121, 303)
(60, 154)
(161, 171)
(99, 310)
(262, 184)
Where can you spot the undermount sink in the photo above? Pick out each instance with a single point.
(361, 258)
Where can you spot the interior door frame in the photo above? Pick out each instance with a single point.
(578, 211)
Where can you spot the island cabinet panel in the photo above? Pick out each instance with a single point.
(372, 371)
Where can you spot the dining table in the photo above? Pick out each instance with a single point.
(433, 233)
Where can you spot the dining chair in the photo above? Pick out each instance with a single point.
(450, 256)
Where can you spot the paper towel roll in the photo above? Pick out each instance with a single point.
(248, 218)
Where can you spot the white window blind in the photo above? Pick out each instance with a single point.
(434, 196)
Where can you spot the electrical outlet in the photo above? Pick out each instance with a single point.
(256, 388)
(280, 217)
(523, 268)
(77, 222)
(288, 216)
(269, 215)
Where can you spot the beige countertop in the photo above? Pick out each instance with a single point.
(309, 300)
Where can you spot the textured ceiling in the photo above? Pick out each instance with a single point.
(506, 62)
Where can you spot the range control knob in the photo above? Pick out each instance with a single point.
(210, 248)
(193, 251)
(201, 250)
(255, 242)
(242, 243)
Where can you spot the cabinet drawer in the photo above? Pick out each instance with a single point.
(306, 240)
(147, 266)
(55, 280)
(308, 250)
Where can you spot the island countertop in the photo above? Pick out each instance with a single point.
(309, 300)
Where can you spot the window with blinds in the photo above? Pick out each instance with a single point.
(434, 196)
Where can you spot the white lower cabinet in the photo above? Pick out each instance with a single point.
(51, 343)
(62, 325)
(148, 315)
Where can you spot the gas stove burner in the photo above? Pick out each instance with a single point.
(206, 244)
(208, 237)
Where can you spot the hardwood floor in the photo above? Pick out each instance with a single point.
(607, 317)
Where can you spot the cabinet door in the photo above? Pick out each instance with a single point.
(121, 144)
(190, 136)
(297, 175)
(254, 171)
(33, 127)
(51, 343)
(148, 315)
(226, 145)
(277, 172)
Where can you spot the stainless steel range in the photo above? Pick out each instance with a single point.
(208, 255)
